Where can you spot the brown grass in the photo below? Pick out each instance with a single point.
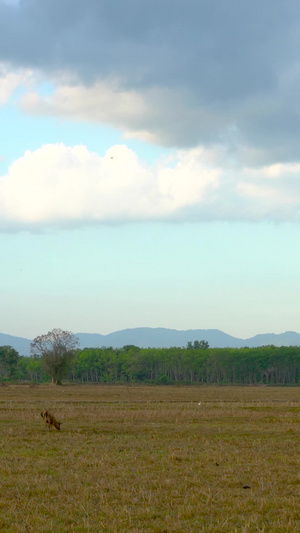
(150, 460)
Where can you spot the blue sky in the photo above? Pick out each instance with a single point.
(149, 166)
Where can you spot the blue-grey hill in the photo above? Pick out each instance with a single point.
(163, 338)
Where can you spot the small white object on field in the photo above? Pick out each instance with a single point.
(199, 403)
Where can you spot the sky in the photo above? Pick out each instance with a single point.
(149, 165)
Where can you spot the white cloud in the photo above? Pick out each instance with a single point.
(102, 102)
(10, 80)
(155, 115)
(59, 186)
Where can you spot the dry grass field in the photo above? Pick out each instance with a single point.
(150, 459)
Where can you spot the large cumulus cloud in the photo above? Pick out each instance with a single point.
(68, 186)
(199, 72)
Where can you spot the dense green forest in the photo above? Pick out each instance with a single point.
(195, 364)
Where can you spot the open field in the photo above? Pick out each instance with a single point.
(150, 459)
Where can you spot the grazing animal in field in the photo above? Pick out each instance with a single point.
(50, 420)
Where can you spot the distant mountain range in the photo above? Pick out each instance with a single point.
(163, 338)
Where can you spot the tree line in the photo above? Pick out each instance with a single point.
(194, 364)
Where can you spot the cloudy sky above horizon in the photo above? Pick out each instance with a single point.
(149, 165)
